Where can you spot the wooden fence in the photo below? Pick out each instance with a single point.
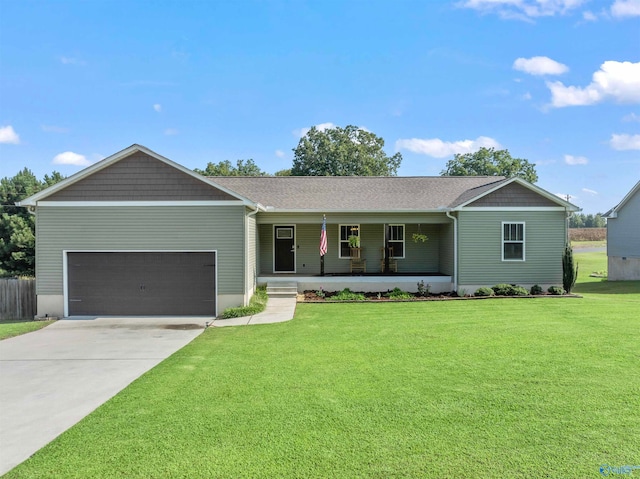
(17, 298)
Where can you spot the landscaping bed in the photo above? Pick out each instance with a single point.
(321, 296)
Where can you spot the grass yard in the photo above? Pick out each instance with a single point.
(520, 388)
(10, 328)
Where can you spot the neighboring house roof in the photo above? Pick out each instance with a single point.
(613, 212)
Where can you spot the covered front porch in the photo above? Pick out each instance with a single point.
(365, 252)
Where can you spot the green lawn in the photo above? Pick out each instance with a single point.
(546, 387)
(11, 328)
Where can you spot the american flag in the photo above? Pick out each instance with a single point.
(323, 237)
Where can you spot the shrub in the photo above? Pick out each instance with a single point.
(536, 289)
(257, 303)
(556, 290)
(347, 295)
(503, 289)
(519, 291)
(397, 293)
(423, 290)
(484, 291)
(569, 272)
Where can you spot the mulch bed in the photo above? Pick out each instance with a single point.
(312, 297)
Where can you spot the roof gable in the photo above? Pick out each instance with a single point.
(613, 212)
(512, 192)
(135, 174)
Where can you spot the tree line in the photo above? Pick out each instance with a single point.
(580, 220)
(348, 151)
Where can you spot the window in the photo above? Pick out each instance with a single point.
(512, 241)
(396, 240)
(347, 235)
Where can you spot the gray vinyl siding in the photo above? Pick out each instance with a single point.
(445, 253)
(480, 248)
(265, 252)
(173, 228)
(623, 232)
(251, 260)
(139, 177)
(420, 257)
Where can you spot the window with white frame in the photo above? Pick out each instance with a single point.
(349, 236)
(396, 240)
(512, 241)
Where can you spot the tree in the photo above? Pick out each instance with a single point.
(490, 162)
(285, 172)
(569, 271)
(17, 225)
(580, 220)
(225, 168)
(349, 151)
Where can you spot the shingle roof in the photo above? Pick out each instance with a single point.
(359, 193)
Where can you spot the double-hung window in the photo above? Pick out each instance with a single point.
(513, 241)
(396, 240)
(349, 236)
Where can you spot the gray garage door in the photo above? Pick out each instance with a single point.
(141, 283)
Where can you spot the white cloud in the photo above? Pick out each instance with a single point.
(631, 117)
(439, 149)
(588, 191)
(9, 135)
(72, 61)
(157, 107)
(70, 158)
(320, 127)
(526, 96)
(171, 131)
(279, 153)
(575, 160)
(540, 66)
(618, 81)
(54, 129)
(625, 142)
(522, 9)
(589, 16)
(625, 8)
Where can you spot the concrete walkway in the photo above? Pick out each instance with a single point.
(278, 310)
(50, 379)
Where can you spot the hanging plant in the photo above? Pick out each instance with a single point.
(419, 237)
(354, 241)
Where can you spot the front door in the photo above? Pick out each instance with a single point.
(284, 250)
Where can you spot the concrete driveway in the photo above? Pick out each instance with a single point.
(52, 378)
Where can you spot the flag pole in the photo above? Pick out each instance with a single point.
(323, 243)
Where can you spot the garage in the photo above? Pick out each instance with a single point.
(141, 283)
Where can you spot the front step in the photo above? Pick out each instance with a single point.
(282, 290)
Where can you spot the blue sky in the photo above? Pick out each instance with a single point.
(554, 81)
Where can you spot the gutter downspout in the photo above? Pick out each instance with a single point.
(257, 208)
(455, 249)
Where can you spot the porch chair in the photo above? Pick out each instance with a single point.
(393, 263)
(357, 264)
